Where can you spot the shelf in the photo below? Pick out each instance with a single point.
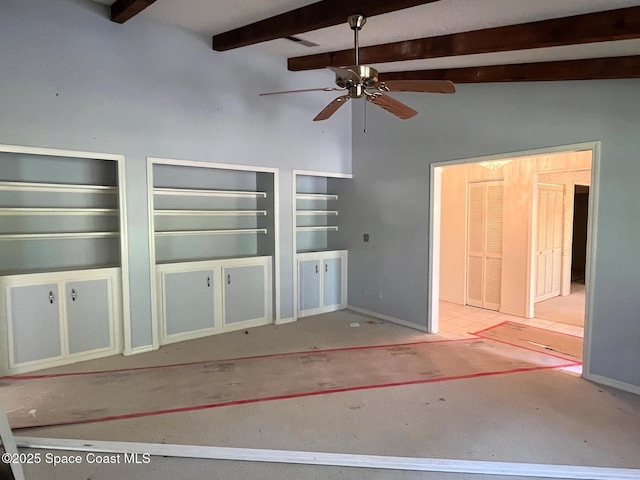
(57, 270)
(316, 196)
(28, 211)
(235, 231)
(56, 187)
(317, 212)
(55, 236)
(332, 228)
(195, 192)
(214, 213)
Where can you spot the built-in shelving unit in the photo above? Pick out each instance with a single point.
(321, 260)
(213, 245)
(63, 258)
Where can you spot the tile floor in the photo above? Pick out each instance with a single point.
(461, 321)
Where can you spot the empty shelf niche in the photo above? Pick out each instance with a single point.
(57, 213)
(317, 213)
(208, 213)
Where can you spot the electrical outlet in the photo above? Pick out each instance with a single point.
(365, 237)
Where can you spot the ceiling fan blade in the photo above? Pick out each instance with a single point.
(331, 108)
(392, 105)
(346, 74)
(428, 86)
(325, 89)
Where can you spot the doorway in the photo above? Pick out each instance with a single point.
(448, 298)
(568, 306)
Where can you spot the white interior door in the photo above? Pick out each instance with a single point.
(549, 241)
(484, 244)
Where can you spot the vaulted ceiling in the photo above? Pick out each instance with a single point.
(458, 40)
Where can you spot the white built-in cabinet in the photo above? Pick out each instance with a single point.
(60, 317)
(322, 282)
(321, 260)
(61, 249)
(213, 239)
(208, 297)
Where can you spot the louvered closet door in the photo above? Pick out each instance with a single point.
(549, 241)
(484, 244)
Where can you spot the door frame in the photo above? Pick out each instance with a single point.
(433, 281)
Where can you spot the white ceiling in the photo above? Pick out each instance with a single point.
(209, 17)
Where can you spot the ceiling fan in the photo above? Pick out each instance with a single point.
(362, 81)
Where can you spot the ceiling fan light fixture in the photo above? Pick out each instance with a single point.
(494, 164)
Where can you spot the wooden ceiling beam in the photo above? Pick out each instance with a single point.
(325, 13)
(123, 10)
(621, 24)
(587, 69)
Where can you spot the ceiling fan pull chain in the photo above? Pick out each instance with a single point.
(365, 117)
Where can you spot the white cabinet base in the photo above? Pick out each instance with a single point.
(322, 282)
(57, 318)
(197, 299)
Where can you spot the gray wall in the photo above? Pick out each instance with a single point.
(389, 197)
(72, 79)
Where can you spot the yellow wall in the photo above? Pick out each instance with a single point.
(519, 187)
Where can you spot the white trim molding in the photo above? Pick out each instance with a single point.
(335, 459)
(610, 382)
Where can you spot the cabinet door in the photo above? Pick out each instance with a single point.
(88, 315)
(244, 293)
(35, 322)
(188, 301)
(308, 285)
(332, 283)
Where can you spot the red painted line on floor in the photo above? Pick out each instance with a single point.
(545, 352)
(199, 362)
(529, 326)
(490, 328)
(299, 395)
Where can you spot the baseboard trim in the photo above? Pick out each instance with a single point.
(610, 382)
(334, 459)
(387, 318)
(142, 349)
(284, 321)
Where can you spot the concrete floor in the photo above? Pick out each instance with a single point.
(539, 417)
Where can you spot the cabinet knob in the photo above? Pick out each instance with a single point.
(208, 281)
(73, 294)
(228, 279)
(316, 268)
(51, 296)
(326, 267)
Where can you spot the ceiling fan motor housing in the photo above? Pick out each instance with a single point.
(363, 76)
